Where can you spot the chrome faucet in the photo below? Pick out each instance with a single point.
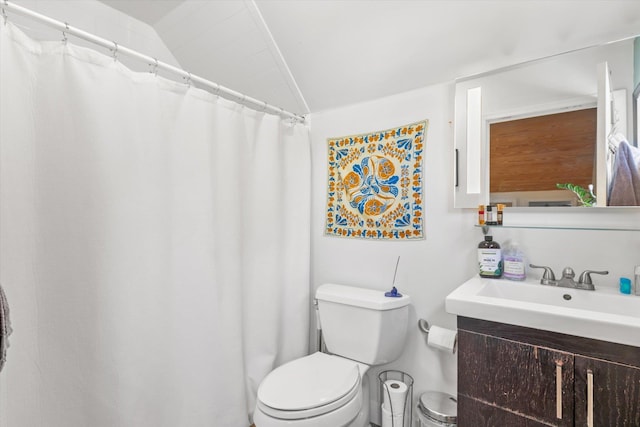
(566, 281)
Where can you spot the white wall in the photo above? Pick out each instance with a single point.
(431, 268)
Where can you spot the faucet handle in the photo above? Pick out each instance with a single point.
(585, 276)
(548, 278)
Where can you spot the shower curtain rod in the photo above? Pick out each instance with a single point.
(153, 62)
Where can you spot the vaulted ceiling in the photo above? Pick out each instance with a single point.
(312, 55)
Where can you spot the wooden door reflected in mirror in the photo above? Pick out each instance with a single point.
(530, 156)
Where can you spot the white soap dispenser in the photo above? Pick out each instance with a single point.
(514, 262)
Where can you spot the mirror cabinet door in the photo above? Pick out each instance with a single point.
(597, 77)
(603, 131)
(468, 154)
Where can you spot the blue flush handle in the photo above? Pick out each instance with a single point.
(393, 293)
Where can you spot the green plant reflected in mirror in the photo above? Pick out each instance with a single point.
(585, 197)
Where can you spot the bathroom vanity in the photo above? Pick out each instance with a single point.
(515, 376)
(532, 355)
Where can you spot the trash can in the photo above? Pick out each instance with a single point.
(396, 397)
(436, 409)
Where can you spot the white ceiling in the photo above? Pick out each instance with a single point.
(149, 11)
(312, 55)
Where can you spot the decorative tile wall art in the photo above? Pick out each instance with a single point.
(374, 188)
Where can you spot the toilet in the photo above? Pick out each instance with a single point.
(361, 328)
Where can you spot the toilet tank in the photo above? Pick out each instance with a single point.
(362, 324)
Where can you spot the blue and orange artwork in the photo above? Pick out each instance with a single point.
(375, 184)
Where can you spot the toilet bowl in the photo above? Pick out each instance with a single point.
(361, 328)
(319, 390)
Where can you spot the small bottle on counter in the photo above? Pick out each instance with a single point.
(489, 258)
(636, 280)
(491, 218)
(500, 208)
(481, 215)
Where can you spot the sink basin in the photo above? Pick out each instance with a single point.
(603, 314)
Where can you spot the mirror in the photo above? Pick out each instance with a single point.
(557, 120)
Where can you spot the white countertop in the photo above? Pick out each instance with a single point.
(603, 314)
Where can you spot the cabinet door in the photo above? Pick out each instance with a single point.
(469, 150)
(609, 391)
(531, 381)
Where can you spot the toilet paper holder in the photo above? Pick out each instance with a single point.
(441, 338)
(423, 325)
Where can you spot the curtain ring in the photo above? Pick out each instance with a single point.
(64, 33)
(264, 107)
(115, 51)
(188, 79)
(155, 67)
(4, 12)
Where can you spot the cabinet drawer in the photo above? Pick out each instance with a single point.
(473, 413)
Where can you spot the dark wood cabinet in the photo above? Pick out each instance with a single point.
(614, 390)
(514, 376)
(524, 380)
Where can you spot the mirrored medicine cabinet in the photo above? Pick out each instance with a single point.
(522, 130)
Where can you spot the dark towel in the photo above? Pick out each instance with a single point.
(5, 327)
(624, 189)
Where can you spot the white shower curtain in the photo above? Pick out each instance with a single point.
(154, 244)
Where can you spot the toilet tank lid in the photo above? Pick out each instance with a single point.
(360, 297)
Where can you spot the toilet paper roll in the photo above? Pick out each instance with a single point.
(395, 396)
(442, 339)
(390, 420)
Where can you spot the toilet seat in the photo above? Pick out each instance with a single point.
(310, 386)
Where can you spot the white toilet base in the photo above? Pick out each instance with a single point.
(363, 418)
